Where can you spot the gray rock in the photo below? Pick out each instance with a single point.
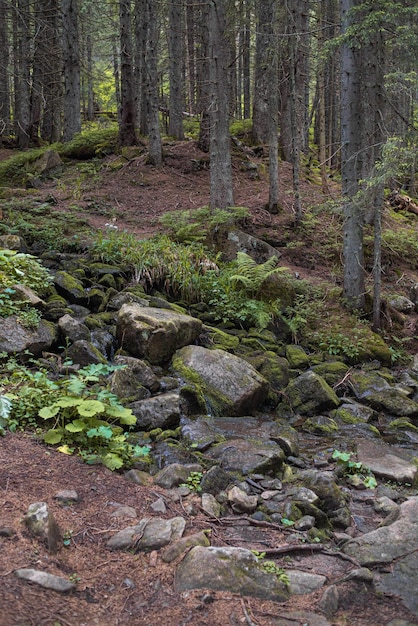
(393, 401)
(175, 549)
(352, 412)
(386, 506)
(149, 534)
(73, 329)
(324, 486)
(48, 581)
(305, 523)
(364, 383)
(304, 582)
(66, 496)
(230, 384)
(70, 287)
(200, 433)
(84, 353)
(228, 569)
(162, 411)
(159, 506)
(215, 480)
(41, 523)
(124, 382)
(241, 502)
(330, 600)
(210, 505)
(236, 240)
(402, 304)
(154, 333)
(175, 474)
(385, 461)
(247, 456)
(16, 338)
(310, 394)
(402, 581)
(387, 543)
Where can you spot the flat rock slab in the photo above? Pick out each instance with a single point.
(149, 534)
(388, 543)
(43, 579)
(402, 581)
(228, 569)
(385, 461)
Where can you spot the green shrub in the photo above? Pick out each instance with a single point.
(79, 412)
(197, 224)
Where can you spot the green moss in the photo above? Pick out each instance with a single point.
(321, 425)
(222, 340)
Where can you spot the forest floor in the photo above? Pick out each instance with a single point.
(123, 588)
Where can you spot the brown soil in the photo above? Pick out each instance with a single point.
(122, 588)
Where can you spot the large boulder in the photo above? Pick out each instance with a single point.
(310, 394)
(229, 569)
(154, 334)
(230, 385)
(17, 338)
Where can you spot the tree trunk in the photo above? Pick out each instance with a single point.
(4, 71)
(191, 56)
(127, 135)
(141, 34)
(353, 253)
(272, 75)
(22, 47)
(203, 81)
(71, 63)
(175, 44)
(221, 190)
(155, 147)
(261, 73)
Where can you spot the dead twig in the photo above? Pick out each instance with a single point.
(247, 615)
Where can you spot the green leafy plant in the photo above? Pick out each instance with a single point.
(79, 412)
(197, 224)
(193, 482)
(271, 567)
(350, 468)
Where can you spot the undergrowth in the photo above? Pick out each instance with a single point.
(76, 412)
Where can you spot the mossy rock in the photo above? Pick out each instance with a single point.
(220, 339)
(320, 425)
(297, 357)
(332, 371)
(374, 347)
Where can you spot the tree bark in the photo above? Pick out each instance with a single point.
(127, 134)
(155, 146)
(4, 71)
(353, 251)
(71, 63)
(22, 47)
(176, 64)
(221, 189)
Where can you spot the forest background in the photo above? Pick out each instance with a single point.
(328, 85)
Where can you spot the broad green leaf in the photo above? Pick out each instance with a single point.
(88, 408)
(68, 401)
(125, 416)
(112, 461)
(5, 407)
(49, 411)
(53, 436)
(76, 426)
(141, 450)
(103, 431)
